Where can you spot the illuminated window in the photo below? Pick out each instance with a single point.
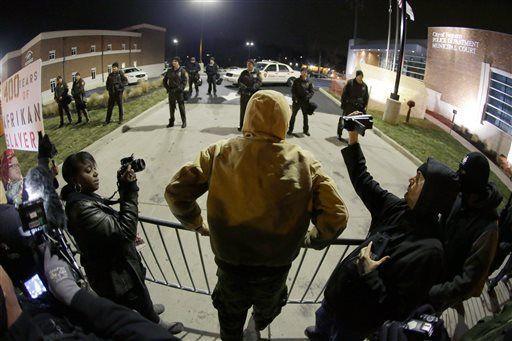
(53, 84)
(93, 48)
(74, 51)
(93, 73)
(135, 63)
(498, 109)
(123, 65)
(134, 46)
(123, 46)
(109, 47)
(51, 55)
(109, 68)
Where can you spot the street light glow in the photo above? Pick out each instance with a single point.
(204, 1)
(249, 43)
(175, 41)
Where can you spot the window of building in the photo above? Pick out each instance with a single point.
(93, 73)
(109, 47)
(51, 55)
(74, 51)
(123, 65)
(109, 68)
(134, 46)
(135, 63)
(93, 48)
(498, 108)
(123, 46)
(73, 76)
(53, 84)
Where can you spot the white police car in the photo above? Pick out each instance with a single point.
(271, 71)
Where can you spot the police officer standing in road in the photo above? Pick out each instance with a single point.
(355, 97)
(78, 93)
(61, 96)
(302, 91)
(193, 68)
(249, 82)
(175, 82)
(212, 73)
(116, 81)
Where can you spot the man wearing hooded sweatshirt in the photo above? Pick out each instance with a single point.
(263, 192)
(469, 235)
(390, 274)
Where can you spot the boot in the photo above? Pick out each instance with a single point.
(307, 133)
(184, 124)
(159, 308)
(173, 327)
(61, 124)
(171, 124)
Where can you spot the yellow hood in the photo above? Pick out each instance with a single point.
(267, 114)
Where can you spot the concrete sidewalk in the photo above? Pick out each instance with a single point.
(165, 150)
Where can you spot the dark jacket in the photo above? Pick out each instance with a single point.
(78, 89)
(60, 91)
(302, 90)
(175, 81)
(249, 82)
(470, 238)
(105, 239)
(401, 284)
(355, 97)
(116, 81)
(93, 318)
(212, 71)
(193, 70)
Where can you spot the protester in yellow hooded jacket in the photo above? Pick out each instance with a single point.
(262, 195)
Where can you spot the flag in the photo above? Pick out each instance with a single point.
(408, 9)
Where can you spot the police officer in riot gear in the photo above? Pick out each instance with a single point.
(212, 73)
(175, 82)
(116, 81)
(78, 93)
(355, 97)
(302, 91)
(193, 68)
(61, 96)
(249, 82)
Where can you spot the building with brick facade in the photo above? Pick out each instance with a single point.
(469, 73)
(89, 52)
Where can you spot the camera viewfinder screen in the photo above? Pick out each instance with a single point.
(35, 286)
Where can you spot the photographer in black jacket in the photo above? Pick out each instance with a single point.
(249, 82)
(302, 92)
(193, 68)
(390, 274)
(106, 237)
(116, 82)
(175, 82)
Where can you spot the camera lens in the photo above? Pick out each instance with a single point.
(138, 165)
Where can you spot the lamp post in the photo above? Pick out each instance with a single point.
(175, 43)
(249, 44)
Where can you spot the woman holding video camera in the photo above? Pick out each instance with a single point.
(105, 237)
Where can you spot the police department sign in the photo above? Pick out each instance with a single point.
(453, 42)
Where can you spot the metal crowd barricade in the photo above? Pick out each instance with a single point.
(158, 250)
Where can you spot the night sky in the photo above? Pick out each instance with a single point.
(278, 28)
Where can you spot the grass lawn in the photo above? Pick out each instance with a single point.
(70, 138)
(423, 139)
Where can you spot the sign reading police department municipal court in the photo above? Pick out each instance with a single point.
(22, 116)
(454, 42)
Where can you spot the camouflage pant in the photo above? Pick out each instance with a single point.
(235, 294)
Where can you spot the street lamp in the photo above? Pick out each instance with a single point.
(202, 2)
(249, 44)
(175, 43)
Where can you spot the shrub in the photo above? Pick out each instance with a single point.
(95, 101)
(156, 84)
(144, 86)
(134, 92)
(50, 109)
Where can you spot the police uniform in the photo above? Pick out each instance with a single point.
(249, 83)
(116, 81)
(78, 93)
(193, 76)
(302, 91)
(175, 82)
(62, 98)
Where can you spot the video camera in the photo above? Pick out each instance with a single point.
(37, 233)
(423, 327)
(358, 123)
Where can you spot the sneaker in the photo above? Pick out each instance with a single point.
(159, 308)
(173, 327)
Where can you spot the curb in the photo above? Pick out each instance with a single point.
(380, 134)
(119, 131)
